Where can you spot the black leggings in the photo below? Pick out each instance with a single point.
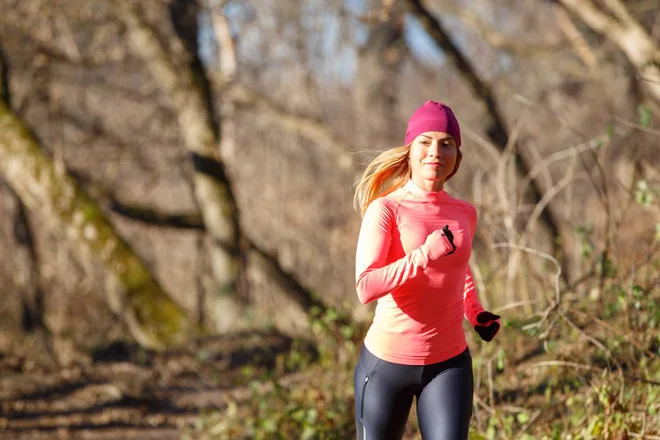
(384, 393)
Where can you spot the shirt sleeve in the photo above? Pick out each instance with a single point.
(471, 304)
(375, 277)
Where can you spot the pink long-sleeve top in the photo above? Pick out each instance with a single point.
(421, 303)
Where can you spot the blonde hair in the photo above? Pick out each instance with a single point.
(389, 171)
(459, 158)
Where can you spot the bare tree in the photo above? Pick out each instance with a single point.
(28, 266)
(186, 87)
(378, 80)
(152, 318)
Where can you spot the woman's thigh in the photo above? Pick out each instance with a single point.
(444, 406)
(383, 397)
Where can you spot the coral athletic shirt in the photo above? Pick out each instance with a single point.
(421, 304)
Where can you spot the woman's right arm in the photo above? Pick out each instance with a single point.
(376, 278)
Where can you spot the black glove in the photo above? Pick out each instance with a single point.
(450, 237)
(487, 326)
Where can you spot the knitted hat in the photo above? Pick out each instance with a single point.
(433, 116)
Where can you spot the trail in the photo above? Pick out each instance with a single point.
(124, 395)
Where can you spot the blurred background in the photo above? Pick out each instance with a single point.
(177, 230)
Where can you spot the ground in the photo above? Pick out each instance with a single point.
(127, 393)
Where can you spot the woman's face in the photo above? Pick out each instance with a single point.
(432, 158)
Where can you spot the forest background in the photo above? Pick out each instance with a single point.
(177, 232)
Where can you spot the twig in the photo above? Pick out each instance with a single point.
(628, 337)
(484, 143)
(548, 257)
(513, 305)
(504, 193)
(563, 364)
(600, 345)
(491, 394)
(638, 126)
(484, 405)
(543, 203)
(548, 329)
(531, 421)
(512, 409)
(558, 363)
(644, 436)
(478, 278)
(590, 338)
(537, 158)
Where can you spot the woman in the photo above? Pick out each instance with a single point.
(412, 257)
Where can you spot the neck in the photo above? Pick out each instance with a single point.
(428, 185)
(420, 194)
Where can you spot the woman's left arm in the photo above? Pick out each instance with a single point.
(471, 304)
(485, 323)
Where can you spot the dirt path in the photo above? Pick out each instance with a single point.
(120, 397)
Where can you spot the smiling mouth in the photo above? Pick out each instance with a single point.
(434, 164)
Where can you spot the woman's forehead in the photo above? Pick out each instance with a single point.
(435, 135)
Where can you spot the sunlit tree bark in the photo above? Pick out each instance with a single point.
(616, 23)
(184, 87)
(152, 318)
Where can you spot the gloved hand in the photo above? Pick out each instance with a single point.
(488, 325)
(450, 237)
(440, 243)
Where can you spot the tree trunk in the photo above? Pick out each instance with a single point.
(153, 319)
(25, 264)
(378, 82)
(185, 87)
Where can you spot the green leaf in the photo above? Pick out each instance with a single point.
(643, 194)
(501, 356)
(610, 131)
(298, 415)
(312, 415)
(308, 433)
(347, 331)
(645, 115)
(491, 432)
(474, 435)
(522, 417)
(269, 425)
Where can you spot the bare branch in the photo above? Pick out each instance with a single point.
(496, 126)
(155, 218)
(625, 32)
(313, 129)
(498, 40)
(577, 40)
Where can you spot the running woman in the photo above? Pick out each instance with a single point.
(412, 258)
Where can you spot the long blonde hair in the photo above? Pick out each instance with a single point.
(389, 171)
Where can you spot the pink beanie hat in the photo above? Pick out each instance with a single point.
(433, 116)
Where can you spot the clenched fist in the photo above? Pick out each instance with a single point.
(440, 243)
(488, 325)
